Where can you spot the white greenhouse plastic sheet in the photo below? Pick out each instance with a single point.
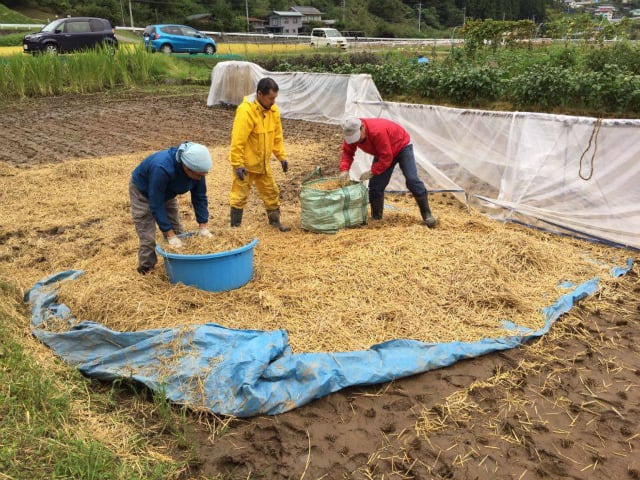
(315, 97)
(566, 174)
(250, 372)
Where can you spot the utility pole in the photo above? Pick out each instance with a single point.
(246, 6)
(130, 14)
(419, 14)
(124, 22)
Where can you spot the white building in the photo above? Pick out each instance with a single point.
(284, 22)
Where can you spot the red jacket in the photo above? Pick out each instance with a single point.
(384, 141)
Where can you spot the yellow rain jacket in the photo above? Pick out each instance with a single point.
(256, 135)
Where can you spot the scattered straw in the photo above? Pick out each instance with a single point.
(306, 464)
(325, 185)
(389, 279)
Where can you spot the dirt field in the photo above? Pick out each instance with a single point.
(567, 406)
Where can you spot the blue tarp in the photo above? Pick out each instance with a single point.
(251, 372)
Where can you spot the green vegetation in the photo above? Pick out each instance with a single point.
(498, 66)
(43, 75)
(586, 79)
(11, 16)
(44, 411)
(12, 39)
(379, 18)
(43, 432)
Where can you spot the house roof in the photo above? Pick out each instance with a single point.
(307, 10)
(282, 13)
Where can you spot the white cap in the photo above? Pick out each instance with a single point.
(351, 127)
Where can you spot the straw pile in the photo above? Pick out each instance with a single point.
(223, 239)
(325, 185)
(386, 280)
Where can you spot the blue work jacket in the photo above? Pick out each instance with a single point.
(160, 177)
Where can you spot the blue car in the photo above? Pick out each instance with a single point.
(178, 39)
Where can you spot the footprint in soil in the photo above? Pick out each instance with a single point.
(399, 405)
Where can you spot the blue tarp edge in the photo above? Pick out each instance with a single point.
(251, 372)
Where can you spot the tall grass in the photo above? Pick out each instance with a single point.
(43, 75)
(44, 432)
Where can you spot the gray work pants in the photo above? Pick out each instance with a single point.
(146, 225)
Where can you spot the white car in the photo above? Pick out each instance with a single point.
(327, 37)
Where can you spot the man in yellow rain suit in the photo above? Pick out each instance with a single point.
(256, 135)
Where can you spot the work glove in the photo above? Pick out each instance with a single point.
(204, 232)
(241, 172)
(344, 178)
(285, 165)
(366, 176)
(175, 242)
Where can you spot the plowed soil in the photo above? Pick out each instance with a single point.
(63, 128)
(567, 406)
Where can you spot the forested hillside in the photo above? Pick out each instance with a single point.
(389, 18)
(377, 18)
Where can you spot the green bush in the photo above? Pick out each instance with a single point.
(390, 78)
(12, 39)
(622, 54)
(318, 62)
(567, 57)
(611, 90)
(545, 86)
(472, 85)
(600, 79)
(428, 83)
(459, 84)
(532, 79)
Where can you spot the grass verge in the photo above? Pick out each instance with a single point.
(56, 424)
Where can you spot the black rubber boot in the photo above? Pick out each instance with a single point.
(274, 219)
(236, 217)
(425, 211)
(377, 205)
(144, 270)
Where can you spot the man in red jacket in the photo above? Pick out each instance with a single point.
(389, 144)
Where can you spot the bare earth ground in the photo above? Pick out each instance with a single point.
(567, 406)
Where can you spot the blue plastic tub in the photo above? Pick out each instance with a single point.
(214, 272)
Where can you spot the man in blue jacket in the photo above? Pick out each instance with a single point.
(153, 188)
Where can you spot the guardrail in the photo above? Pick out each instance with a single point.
(241, 37)
(20, 26)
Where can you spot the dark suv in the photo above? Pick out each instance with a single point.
(70, 35)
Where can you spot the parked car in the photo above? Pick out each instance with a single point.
(178, 39)
(327, 37)
(70, 35)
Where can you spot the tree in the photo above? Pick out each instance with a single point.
(508, 9)
(391, 11)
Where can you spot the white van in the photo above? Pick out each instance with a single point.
(327, 37)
